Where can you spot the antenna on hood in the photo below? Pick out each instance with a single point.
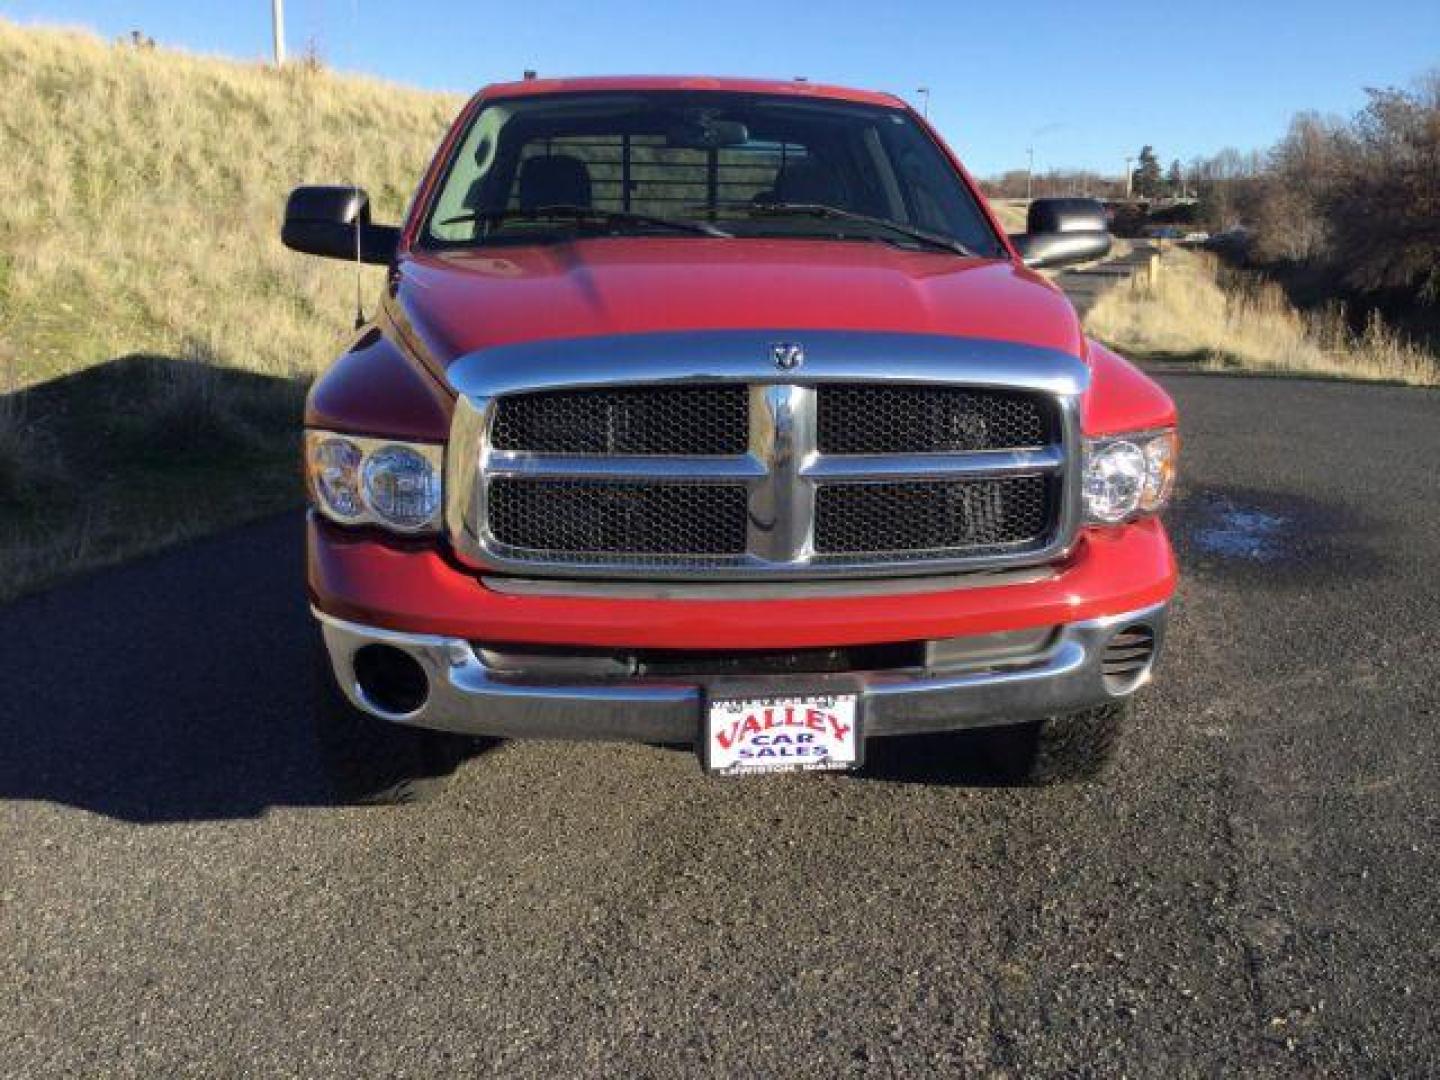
(355, 177)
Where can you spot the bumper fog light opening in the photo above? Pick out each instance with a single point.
(1128, 658)
(391, 681)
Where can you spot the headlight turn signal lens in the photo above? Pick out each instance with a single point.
(334, 468)
(1161, 454)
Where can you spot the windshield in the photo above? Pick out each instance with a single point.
(684, 163)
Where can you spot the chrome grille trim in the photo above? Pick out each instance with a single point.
(783, 465)
(982, 464)
(519, 465)
(782, 502)
(768, 590)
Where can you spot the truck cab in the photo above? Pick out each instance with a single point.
(722, 413)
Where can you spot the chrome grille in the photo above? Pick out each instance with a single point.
(929, 419)
(913, 520)
(689, 455)
(656, 420)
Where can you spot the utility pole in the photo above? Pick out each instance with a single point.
(1030, 172)
(277, 20)
(924, 93)
(1129, 177)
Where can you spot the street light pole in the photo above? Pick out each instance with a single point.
(924, 93)
(277, 21)
(1129, 177)
(1030, 172)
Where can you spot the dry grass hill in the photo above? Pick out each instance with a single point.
(155, 338)
(1199, 310)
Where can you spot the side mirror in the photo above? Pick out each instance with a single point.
(335, 222)
(1059, 232)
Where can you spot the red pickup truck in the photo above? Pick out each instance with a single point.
(723, 413)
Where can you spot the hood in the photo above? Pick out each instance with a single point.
(458, 302)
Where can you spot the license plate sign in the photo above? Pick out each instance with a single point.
(817, 733)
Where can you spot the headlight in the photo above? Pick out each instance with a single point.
(1128, 475)
(357, 481)
(401, 486)
(334, 466)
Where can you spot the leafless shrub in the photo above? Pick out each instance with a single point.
(1358, 198)
(311, 61)
(1384, 207)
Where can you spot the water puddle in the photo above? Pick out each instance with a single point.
(1285, 537)
(1237, 532)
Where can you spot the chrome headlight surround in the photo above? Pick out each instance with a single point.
(1128, 475)
(390, 483)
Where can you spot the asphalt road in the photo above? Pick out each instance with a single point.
(1253, 889)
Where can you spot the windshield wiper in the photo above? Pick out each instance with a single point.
(570, 212)
(824, 210)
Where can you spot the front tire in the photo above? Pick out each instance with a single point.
(369, 761)
(1068, 749)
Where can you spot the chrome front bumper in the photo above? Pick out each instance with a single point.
(1066, 675)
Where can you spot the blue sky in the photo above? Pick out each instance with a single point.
(1086, 84)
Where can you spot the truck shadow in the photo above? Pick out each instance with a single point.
(954, 759)
(174, 688)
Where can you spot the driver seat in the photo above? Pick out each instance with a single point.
(555, 180)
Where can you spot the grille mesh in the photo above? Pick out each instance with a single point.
(563, 518)
(959, 516)
(679, 420)
(884, 419)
